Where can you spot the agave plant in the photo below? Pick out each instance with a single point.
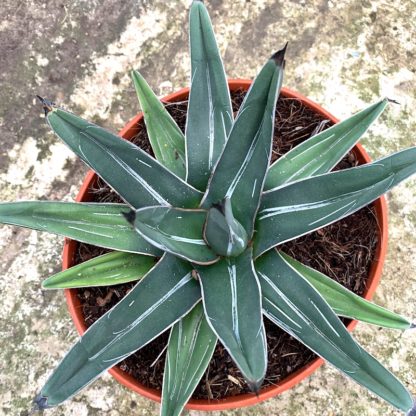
(213, 212)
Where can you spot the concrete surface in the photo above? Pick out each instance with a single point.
(342, 54)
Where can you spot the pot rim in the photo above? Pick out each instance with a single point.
(232, 402)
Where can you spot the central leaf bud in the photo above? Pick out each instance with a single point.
(222, 232)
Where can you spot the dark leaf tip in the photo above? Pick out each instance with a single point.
(40, 403)
(46, 104)
(279, 56)
(130, 216)
(412, 411)
(220, 206)
(391, 100)
(413, 325)
(254, 387)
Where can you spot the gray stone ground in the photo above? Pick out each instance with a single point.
(342, 54)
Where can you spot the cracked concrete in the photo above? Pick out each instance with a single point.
(341, 54)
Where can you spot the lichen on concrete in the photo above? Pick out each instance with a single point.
(343, 54)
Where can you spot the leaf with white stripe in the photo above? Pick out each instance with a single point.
(294, 305)
(136, 176)
(177, 231)
(232, 303)
(159, 300)
(322, 152)
(242, 166)
(102, 225)
(300, 207)
(210, 114)
(109, 269)
(222, 232)
(347, 303)
(166, 138)
(191, 346)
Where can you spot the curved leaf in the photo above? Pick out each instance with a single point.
(177, 231)
(136, 176)
(166, 138)
(300, 207)
(232, 303)
(102, 225)
(347, 303)
(210, 114)
(191, 346)
(162, 297)
(222, 232)
(295, 306)
(106, 270)
(322, 152)
(242, 166)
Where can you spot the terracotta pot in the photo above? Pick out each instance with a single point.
(245, 399)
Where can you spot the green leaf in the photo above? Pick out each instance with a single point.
(102, 225)
(294, 305)
(322, 152)
(210, 114)
(347, 303)
(106, 270)
(222, 232)
(160, 299)
(136, 176)
(191, 346)
(241, 169)
(232, 302)
(177, 231)
(166, 138)
(300, 207)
